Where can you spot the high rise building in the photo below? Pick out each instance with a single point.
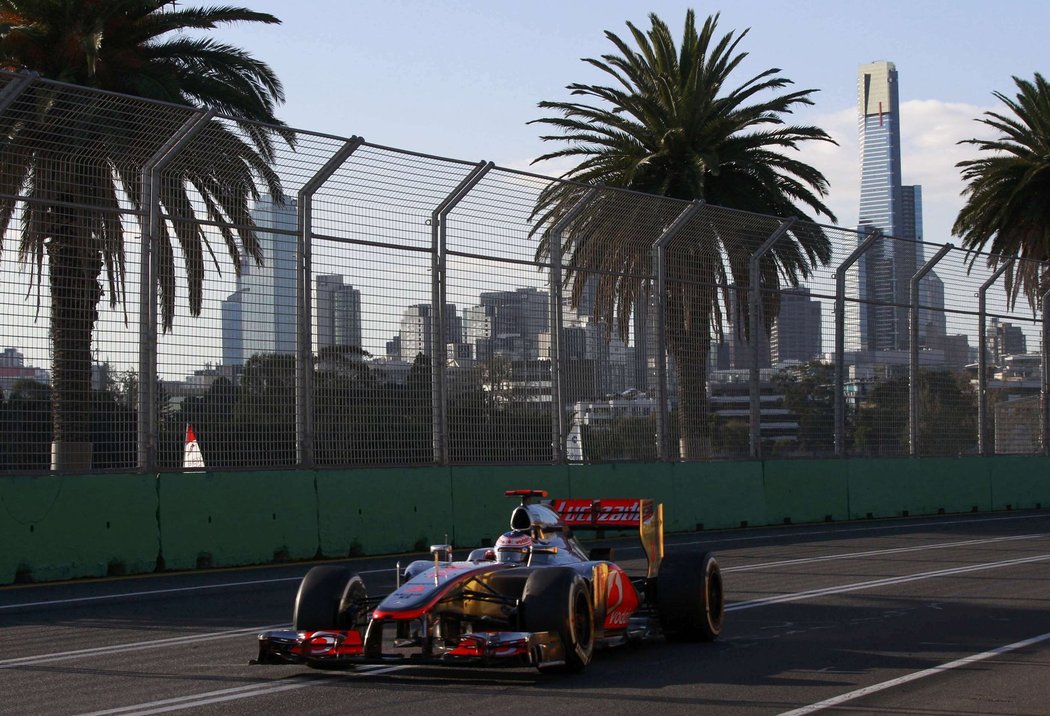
(1004, 339)
(259, 316)
(796, 333)
(508, 323)
(416, 327)
(884, 272)
(338, 307)
(932, 320)
(232, 329)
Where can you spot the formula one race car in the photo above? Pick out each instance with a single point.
(535, 598)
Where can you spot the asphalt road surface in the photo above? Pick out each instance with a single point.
(923, 616)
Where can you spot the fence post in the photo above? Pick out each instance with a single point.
(659, 258)
(755, 327)
(14, 88)
(913, 345)
(438, 290)
(558, 427)
(983, 444)
(1044, 384)
(304, 363)
(149, 264)
(840, 337)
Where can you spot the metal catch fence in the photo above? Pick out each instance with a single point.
(360, 305)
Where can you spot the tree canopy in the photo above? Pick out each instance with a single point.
(1007, 209)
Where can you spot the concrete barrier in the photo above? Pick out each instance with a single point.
(716, 495)
(62, 527)
(908, 486)
(1019, 482)
(218, 519)
(383, 511)
(806, 491)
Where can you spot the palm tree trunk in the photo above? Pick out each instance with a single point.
(688, 324)
(74, 267)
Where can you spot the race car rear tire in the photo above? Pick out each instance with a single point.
(556, 599)
(330, 597)
(689, 596)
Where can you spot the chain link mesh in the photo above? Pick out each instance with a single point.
(458, 312)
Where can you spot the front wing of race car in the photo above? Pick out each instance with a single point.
(346, 649)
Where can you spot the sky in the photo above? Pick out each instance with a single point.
(463, 79)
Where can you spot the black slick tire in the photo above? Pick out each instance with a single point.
(557, 599)
(329, 597)
(689, 596)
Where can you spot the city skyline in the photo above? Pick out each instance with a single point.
(374, 331)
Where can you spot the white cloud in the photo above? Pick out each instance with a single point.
(930, 134)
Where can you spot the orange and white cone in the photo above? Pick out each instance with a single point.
(191, 454)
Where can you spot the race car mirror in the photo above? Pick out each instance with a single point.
(438, 549)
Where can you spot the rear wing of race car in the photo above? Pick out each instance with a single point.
(619, 513)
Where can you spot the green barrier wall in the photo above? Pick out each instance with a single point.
(716, 495)
(226, 519)
(806, 491)
(56, 527)
(1019, 483)
(60, 527)
(898, 487)
(383, 511)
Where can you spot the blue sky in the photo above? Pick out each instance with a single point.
(462, 79)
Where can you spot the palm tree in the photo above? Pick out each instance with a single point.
(1007, 209)
(69, 157)
(671, 125)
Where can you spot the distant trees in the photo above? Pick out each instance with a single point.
(809, 393)
(25, 422)
(364, 418)
(947, 416)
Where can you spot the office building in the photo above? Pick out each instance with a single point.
(508, 324)
(796, 334)
(417, 326)
(338, 308)
(884, 272)
(259, 316)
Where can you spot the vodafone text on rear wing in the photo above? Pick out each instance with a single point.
(619, 513)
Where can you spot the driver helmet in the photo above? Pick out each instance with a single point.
(513, 547)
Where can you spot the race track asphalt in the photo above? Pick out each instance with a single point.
(935, 616)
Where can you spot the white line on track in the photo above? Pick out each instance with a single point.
(888, 581)
(148, 592)
(880, 552)
(134, 646)
(239, 692)
(875, 688)
(851, 530)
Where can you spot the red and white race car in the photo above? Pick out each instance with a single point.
(535, 598)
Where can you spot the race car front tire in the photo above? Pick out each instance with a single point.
(330, 597)
(556, 599)
(689, 596)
